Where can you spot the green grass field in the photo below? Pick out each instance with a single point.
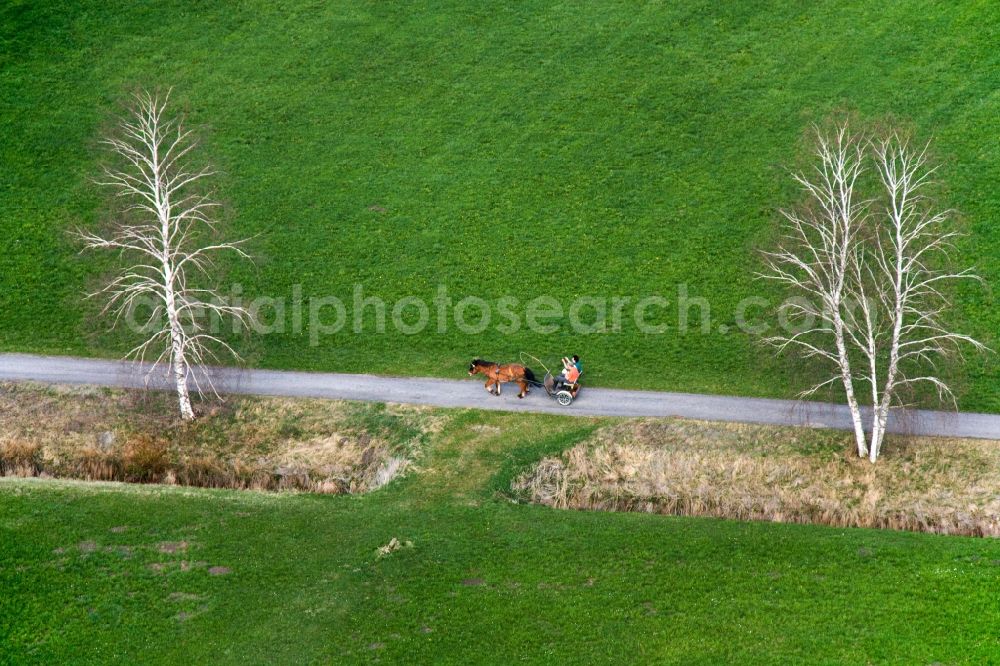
(402, 147)
(113, 573)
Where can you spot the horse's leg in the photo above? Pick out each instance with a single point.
(489, 385)
(524, 388)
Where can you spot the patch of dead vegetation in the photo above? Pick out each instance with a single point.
(797, 475)
(177, 565)
(391, 547)
(171, 547)
(100, 434)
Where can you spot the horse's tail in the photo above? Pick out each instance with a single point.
(529, 375)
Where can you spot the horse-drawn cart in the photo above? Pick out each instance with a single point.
(564, 392)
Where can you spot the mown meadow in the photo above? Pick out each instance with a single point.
(477, 147)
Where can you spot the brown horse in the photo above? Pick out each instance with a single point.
(496, 374)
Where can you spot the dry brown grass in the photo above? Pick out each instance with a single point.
(251, 443)
(20, 457)
(797, 475)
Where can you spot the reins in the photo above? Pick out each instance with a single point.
(523, 354)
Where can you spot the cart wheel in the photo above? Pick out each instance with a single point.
(564, 398)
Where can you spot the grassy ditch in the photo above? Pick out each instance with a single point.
(247, 442)
(781, 474)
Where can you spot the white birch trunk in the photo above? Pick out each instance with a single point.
(852, 399)
(180, 381)
(178, 358)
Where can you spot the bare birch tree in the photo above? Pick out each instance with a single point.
(814, 260)
(871, 277)
(912, 242)
(163, 233)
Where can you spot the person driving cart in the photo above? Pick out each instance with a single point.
(572, 367)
